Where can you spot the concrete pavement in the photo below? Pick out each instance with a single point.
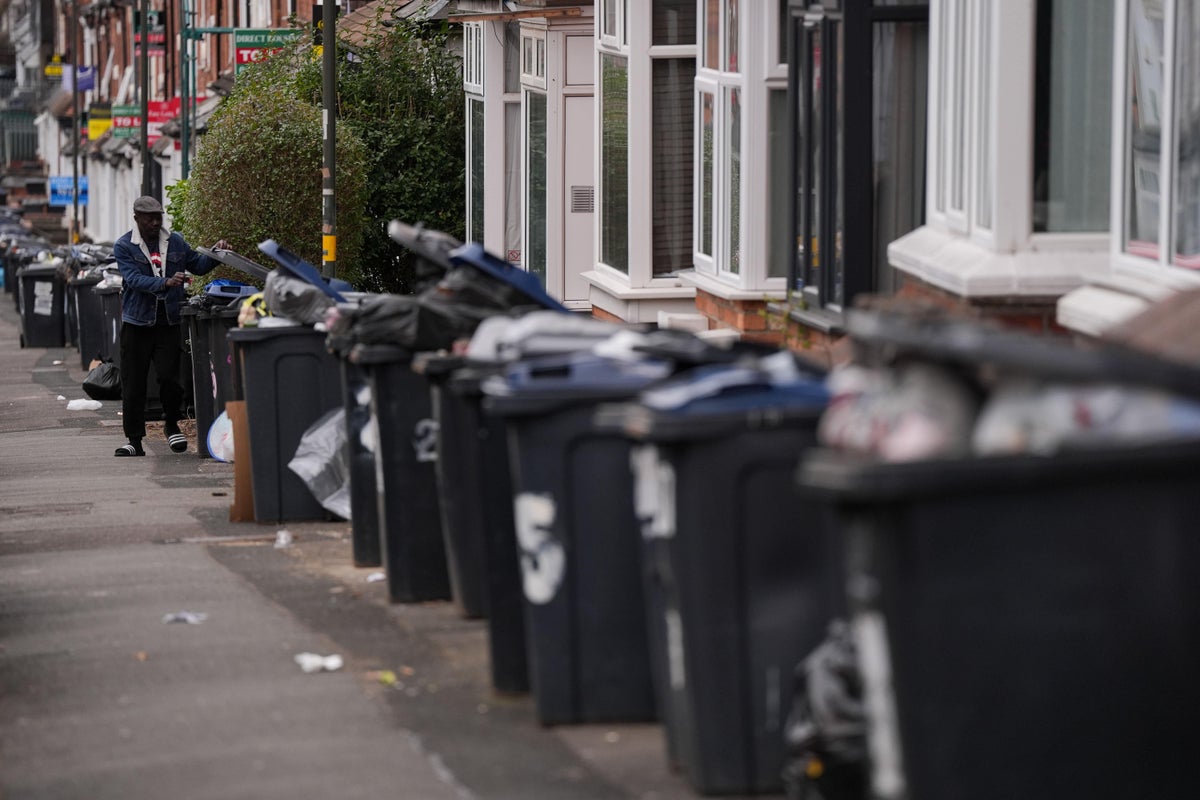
(100, 698)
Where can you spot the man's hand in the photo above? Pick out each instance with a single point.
(221, 245)
(176, 280)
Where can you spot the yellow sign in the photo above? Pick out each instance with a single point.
(55, 68)
(99, 121)
(330, 245)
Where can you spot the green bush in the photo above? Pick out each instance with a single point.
(257, 174)
(403, 96)
(400, 139)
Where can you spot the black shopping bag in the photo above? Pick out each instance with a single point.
(103, 382)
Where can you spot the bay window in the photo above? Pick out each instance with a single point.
(645, 68)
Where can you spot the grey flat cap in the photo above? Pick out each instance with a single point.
(147, 205)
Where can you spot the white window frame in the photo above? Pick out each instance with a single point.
(1161, 267)
(718, 83)
(528, 87)
(619, 40)
(774, 66)
(473, 69)
(966, 100)
(637, 24)
(537, 44)
(473, 57)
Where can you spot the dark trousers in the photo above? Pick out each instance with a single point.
(142, 346)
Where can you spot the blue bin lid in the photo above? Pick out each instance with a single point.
(474, 255)
(543, 384)
(582, 372)
(726, 389)
(295, 265)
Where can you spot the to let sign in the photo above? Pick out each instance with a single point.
(252, 45)
(126, 121)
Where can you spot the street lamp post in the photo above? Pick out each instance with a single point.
(328, 113)
(75, 121)
(144, 63)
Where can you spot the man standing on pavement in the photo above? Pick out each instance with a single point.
(153, 262)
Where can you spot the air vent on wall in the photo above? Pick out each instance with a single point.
(583, 199)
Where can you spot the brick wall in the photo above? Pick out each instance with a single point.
(1034, 315)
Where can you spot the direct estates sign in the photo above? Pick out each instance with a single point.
(252, 45)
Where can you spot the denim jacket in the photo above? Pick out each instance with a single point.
(141, 290)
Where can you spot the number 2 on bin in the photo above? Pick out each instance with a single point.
(425, 440)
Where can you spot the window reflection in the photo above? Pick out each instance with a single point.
(614, 162)
(1143, 127)
(901, 60)
(673, 140)
(535, 182)
(1187, 135)
(733, 150)
(815, 156)
(476, 122)
(1072, 109)
(706, 174)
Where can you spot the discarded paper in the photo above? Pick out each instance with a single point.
(312, 662)
(283, 539)
(186, 617)
(375, 577)
(84, 405)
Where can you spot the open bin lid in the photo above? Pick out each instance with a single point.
(373, 354)
(544, 384)
(295, 265)
(432, 245)
(238, 262)
(968, 343)
(473, 255)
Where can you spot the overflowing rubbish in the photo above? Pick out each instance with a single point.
(312, 662)
(291, 298)
(185, 618)
(924, 384)
(84, 405)
(826, 727)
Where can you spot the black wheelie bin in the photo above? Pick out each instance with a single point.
(1027, 624)
(742, 575)
(577, 535)
(43, 305)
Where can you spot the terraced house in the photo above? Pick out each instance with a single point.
(742, 165)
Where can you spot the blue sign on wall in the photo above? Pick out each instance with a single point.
(60, 190)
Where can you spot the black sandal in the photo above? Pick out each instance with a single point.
(127, 450)
(178, 442)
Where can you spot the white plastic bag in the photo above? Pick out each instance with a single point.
(321, 462)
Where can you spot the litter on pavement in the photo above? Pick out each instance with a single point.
(187, 617)
(312, 662)
(84, 405)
